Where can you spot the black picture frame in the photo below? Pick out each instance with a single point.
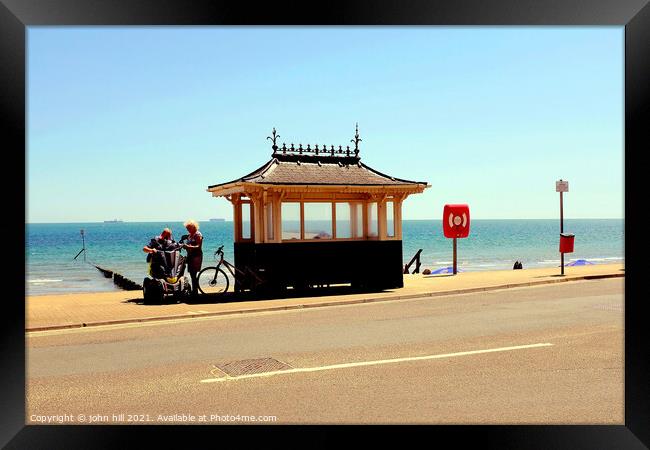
(16, 15)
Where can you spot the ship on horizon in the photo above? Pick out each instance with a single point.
(218, 219)
(114, 221)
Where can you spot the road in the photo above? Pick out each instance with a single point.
(537, 355)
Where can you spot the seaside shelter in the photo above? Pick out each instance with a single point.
(317, 215)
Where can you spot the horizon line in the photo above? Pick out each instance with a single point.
(403, 219)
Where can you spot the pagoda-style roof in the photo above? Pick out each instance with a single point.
(314, 166)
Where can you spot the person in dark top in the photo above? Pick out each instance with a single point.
(194, 245)
(163, 242)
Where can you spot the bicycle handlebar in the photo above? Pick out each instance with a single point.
(219, 251)
(170, 250)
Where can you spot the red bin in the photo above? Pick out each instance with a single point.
(566, 242)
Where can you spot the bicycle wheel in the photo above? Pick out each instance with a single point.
(212, 281)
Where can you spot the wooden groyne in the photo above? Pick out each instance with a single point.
(107, 273)
(119, 280)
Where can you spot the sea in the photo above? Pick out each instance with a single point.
(50, 248)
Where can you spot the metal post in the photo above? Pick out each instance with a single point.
(561, 231)
(83, 240)
(455, 267)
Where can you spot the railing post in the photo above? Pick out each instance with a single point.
(415, 258)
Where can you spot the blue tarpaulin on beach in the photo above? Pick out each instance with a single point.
(449, 269)
(580, 262)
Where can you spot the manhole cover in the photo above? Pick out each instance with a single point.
(251, 366)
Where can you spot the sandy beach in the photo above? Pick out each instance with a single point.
(87, 309)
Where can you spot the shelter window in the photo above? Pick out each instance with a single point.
(290, 220)
(269, 221)
(373, 229)
(318, 220)
(349, 220)
(246, 214)
(390, 219)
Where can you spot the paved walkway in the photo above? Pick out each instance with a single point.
(78, 310)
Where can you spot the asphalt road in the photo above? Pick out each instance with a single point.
(536, 355)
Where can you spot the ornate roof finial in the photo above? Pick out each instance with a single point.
(356, 140)
(273, 139)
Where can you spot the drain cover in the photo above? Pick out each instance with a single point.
(251, 366)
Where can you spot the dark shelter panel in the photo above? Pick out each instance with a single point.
(363, 264)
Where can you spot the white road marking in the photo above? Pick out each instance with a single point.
(373, 363)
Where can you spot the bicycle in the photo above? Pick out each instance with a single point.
(214, 280)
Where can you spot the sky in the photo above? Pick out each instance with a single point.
(135, 123)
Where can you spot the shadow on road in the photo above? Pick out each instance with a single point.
(234, 297)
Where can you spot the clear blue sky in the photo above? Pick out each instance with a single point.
(135, 123)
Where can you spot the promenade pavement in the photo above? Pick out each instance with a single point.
(104, 308)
